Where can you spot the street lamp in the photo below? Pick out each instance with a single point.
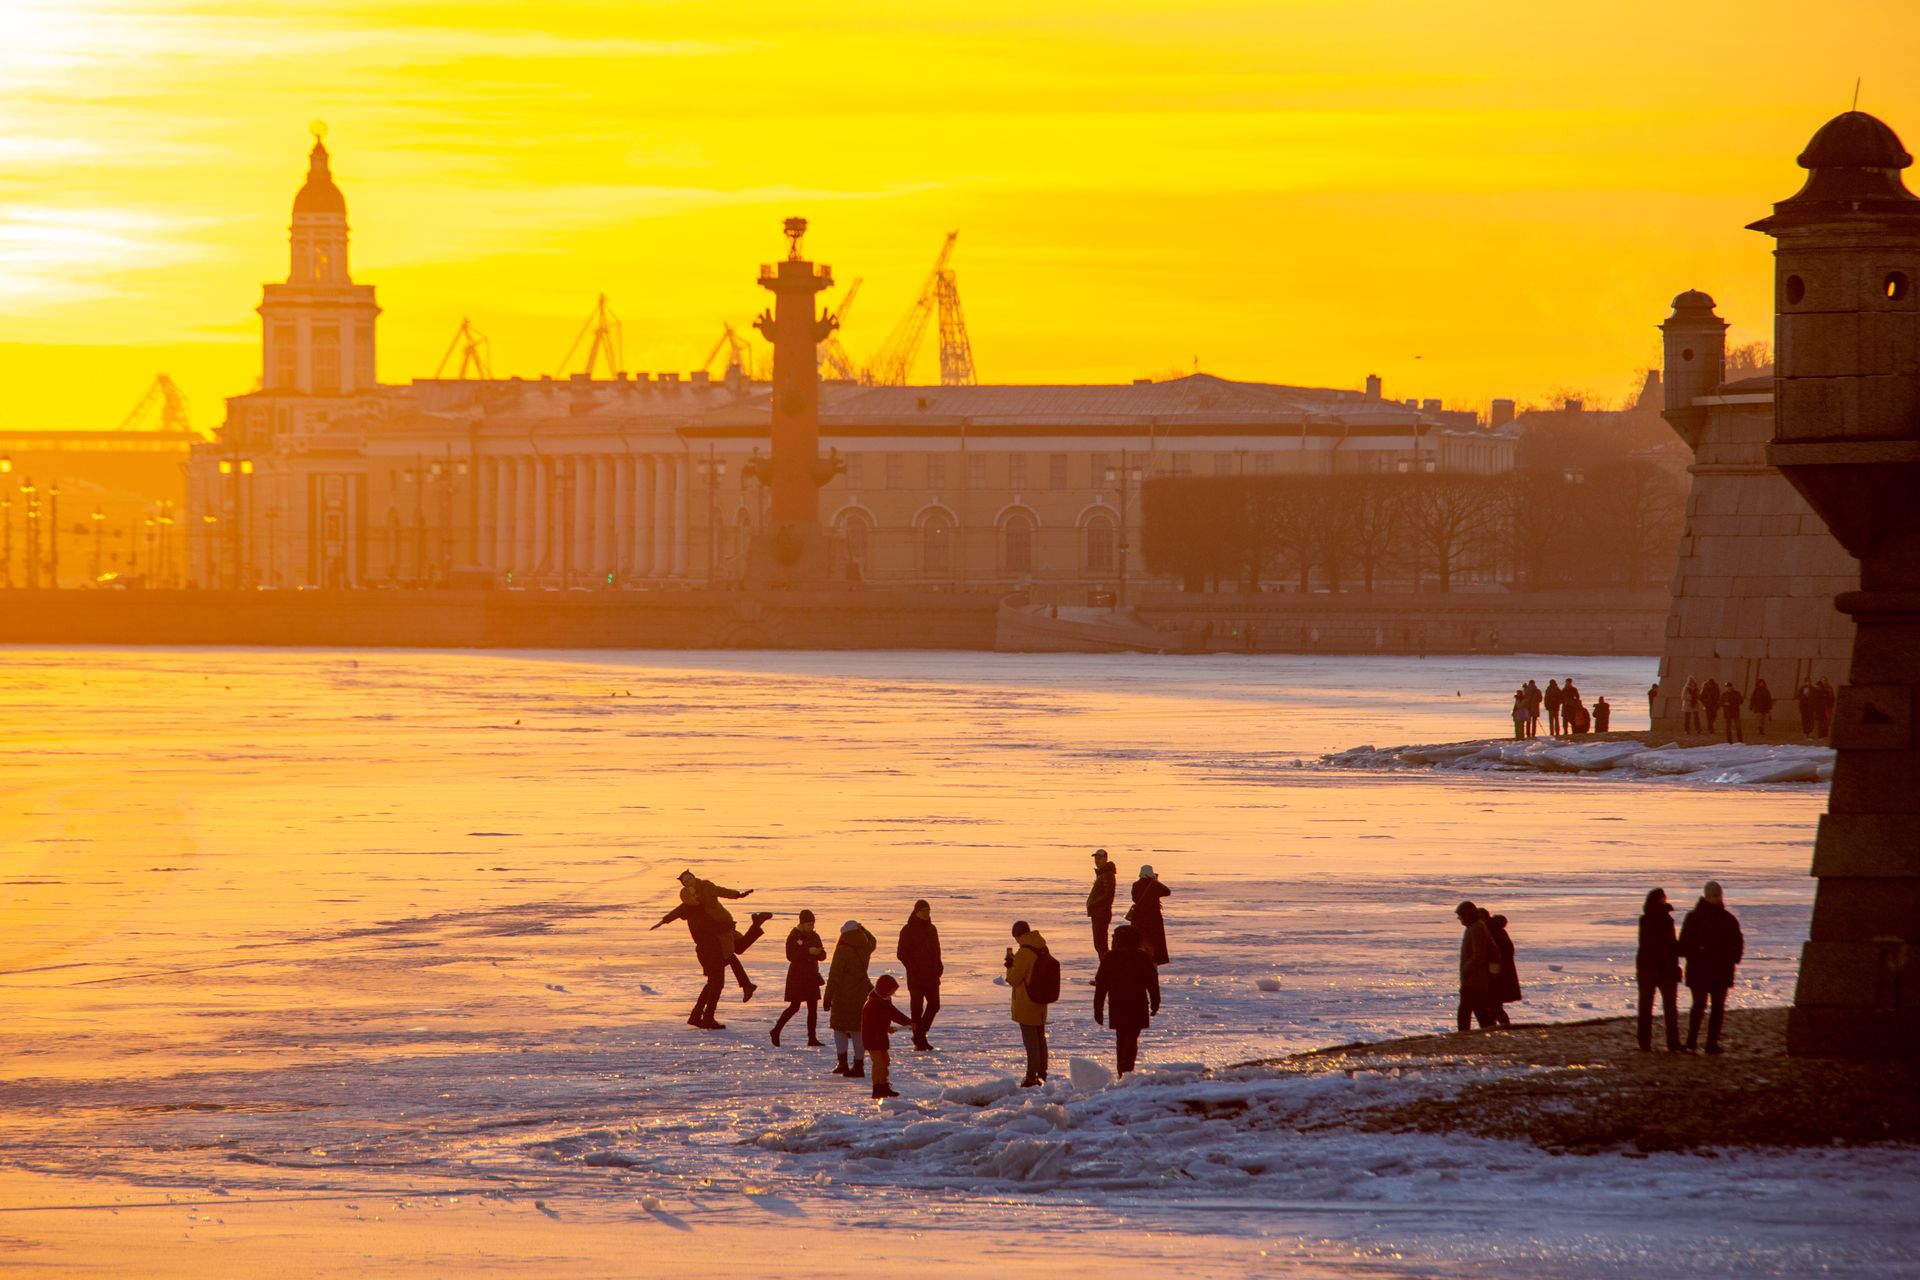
(208, 552)
(32, 517)
(1125, 474)
(714, 469)
(6, 513)
(53, 536)
(99, 526)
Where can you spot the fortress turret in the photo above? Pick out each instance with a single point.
(1695, 341)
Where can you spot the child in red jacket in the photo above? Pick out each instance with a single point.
(877, 1019)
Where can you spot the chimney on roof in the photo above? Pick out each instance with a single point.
(1412, 402)
(1502, 413)
(700, 377)
(1143, 382)
(669, 377)
(1374, 386)
(1576, 406)
(1429, 406)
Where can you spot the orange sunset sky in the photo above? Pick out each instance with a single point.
(1472, 199)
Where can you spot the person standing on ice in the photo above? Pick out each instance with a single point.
(1519, 713)
(1730, 701)
(1476, 969)
(1126, 994)
(1106, 879)
(847, 987)
(878, 1017)
(1505, 978)
(1602, 714)
(1823, 704)
(1534, 699)
(1033, 976)
(1653, 700)
(1762, 704)
(1690, 698)
(1710, 701)
(1713, 945)
(1552, 699)
(919, 954)
(707, 896)
(1569, 703)
(805, 951)
(1146, 915)
(1656, 968)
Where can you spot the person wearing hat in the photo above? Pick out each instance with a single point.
(1477, 959)
(919, 954)
(846, 992)
(1106, 878)
(1146, 916)
(878, 1017)
(1031, 1014)
(805, 951)
(1713, 945)
(1656, 968)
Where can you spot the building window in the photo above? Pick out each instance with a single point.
(1223, 464)
(854, 470)
(1100, 545)
(1057, 471)
(326, 360)
(1016, 471)
(936, 544)
(976, 471)
(857, 528)
(363, 370)
(1263, 464)
(1097, 470)
(896, 471)
(286, 357)
(1017, 538)
(936, 471)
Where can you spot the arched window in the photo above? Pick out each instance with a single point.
(1017, 542)
(1100, 546)
(856, 527)
(936, 544)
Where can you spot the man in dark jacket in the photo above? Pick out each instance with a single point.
(1551, 698)
(714, 946)
(1505, 978)
(919, 953)
(1730, 703)
(1476, 969)
(1710, 701)
(1126, 990)
(1534, 699)
(1100, 899)
(1711, 941)
(1656, 967)
(1762, 704)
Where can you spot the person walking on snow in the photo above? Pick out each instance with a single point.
(919, 953)
(1106, 879)
(1126, 994)
(878, 1016)
(846, 993)
(1713, 945)
(805, 951)
(1505, 985)
(1476, 969)
(1656, 968)
(1146, 915)
(1033, 976)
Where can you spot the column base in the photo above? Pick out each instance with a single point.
(1831, 1031)
(795, 557)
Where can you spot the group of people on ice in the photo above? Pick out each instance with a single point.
(1709, 941)
(861, 1012)
(1704, 704)
(1567, 712)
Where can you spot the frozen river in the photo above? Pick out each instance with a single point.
(334, 924)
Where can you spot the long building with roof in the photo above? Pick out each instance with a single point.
(326, 476)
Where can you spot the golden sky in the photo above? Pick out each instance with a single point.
(1471, 199)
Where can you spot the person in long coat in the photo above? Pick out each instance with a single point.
(846, 994)
(1690, 696)
(1656, 967)
(1711, 942)
(1710, 701)
(1100, 899)
(1146, 915)
(1762, 704)
(1126, 994)
(805, 951)
(919, 954)
(1477, 954)
(1730, 700)
(1551, 698)
(1505, 985)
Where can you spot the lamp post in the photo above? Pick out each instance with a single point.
(208, 552)
(1126, 473)
(163, 523)
(6, 507)
(713, 469)
(32, 517)
(99, 527)
(273, 520)
(53, 536)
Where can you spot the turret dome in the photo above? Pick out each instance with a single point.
(319, 195)
(1853, 170)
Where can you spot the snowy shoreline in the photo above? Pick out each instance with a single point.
(1729, 764)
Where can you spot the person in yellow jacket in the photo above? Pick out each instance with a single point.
(1027, 948)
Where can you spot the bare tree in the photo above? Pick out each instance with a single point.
(1632, 512)
(1452, 521)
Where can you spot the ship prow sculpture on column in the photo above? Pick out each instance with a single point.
(795, 553)
(1847, 434)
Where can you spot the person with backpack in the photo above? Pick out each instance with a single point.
(1126, 990)
(805, 951)
(846, 993)
(1146, 915)
(1033, 975)
(919, 952)
(1100, 899)
(878, 1017)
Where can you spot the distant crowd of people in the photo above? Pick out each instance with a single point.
(1709, 941)
(1567, 712)
(860, 1011)
(1704, 704)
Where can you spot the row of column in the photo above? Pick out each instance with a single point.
(587, 514)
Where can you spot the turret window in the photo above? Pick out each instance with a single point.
(1897, 286)
(1796, 290)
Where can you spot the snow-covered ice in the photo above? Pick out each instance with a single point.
(1731, 764)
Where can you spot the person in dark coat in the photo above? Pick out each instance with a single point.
(919, 954)
(1476, 969)
(1505, 985)
(1653, 700)
(1809, 715)
(1552, 700)
(715, 947)
(805, 951)
(1656, 967)
(1730, 700)
(878, 1017)
(707, 896)
(1146, 916)
(1534, 699)
(1126, 994)
(1569, 704)
(1519, 713)
(1106, 879)
(1712, 944)
(1690, 698)
(1762, 704)
(846, 993)
(1823, 705)
(1710, 701)
(1602, 714)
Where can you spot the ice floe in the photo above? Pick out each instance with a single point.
(1730, 764)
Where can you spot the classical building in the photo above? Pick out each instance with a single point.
(326, 476)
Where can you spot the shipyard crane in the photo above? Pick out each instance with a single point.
(956, 349)
(739, 354)
(172, 405)
(604, 327)
(834, 360)
(893, 363)
(474, 353)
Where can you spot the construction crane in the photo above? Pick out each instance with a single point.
(173, 407)
(739, 354)
(893, 363)
(604, 327)
(956, 350)
(834, 360)
(473, 348)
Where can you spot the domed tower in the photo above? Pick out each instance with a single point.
(317, 329)
(1695, 343)
(1847, 434)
